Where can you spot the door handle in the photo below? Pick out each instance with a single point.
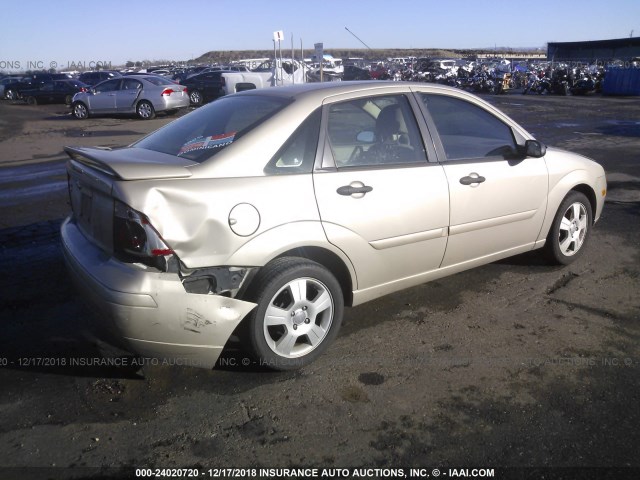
(471, 179)
(350, 190)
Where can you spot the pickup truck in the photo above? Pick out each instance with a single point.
(208, 86)
(269, 73)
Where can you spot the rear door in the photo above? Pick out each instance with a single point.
(60, 91)
(210, 85)
(46, 94)
(127, 95)
(498, 197)
(387, 211)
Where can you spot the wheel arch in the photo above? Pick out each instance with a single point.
(243, 86)
(580, 180)
(322, 256)
(144, 100)
(331, 262)
(588, 192)
(556, 200)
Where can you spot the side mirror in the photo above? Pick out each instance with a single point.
(366, 137)
(534, 148)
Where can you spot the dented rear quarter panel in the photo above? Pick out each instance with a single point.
(193, 216)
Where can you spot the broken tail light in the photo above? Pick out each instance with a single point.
(135, 240)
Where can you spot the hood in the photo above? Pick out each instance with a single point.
(132, 163)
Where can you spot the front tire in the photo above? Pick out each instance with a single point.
(570, 229)
(32, 101)
(145, 110)
(299, 312)
(80, 111)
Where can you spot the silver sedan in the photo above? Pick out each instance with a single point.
(139, 95)
(266, 212)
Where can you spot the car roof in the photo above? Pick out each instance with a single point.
(318, 91)
(144, 77)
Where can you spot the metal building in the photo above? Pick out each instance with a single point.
(624, 49)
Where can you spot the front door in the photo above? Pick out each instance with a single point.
(103, 98)
(498, 197)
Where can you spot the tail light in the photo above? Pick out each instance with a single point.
(83, 89)
(167, 91)
(223, 82)
(135, 240)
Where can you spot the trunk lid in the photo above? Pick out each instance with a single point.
(132, 163)
(92, 173)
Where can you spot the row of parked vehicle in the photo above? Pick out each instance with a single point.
(167, 90)
(103, 92)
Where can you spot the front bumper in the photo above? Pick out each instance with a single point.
(150, 311)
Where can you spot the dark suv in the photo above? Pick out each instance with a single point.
(13, 91)
(93, 78)
(205, 87)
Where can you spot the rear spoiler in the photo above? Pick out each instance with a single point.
(131, 163)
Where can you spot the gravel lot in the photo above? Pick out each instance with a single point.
(515, 364)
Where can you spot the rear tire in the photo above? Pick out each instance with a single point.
(299, 312)
(570, 229)
(32, 101)
(145, 110)
(196, 98)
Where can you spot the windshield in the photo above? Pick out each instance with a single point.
(203, 133)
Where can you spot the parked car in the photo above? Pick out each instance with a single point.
(57, 91)
(7, 81)
(143, 95)
(184, 73)
(162, 72)
(205, 87)
(13, 91)
(351, 72)
(379, 72)
(93, 78)
(266, 212)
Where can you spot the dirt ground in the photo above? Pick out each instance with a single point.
(516, 364)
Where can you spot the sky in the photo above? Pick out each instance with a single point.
(65, 32)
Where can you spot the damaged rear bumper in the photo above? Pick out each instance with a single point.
(150, 311)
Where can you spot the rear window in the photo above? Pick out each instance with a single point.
(203, 133)
(158, 80)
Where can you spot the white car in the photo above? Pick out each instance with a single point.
(268, 211)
